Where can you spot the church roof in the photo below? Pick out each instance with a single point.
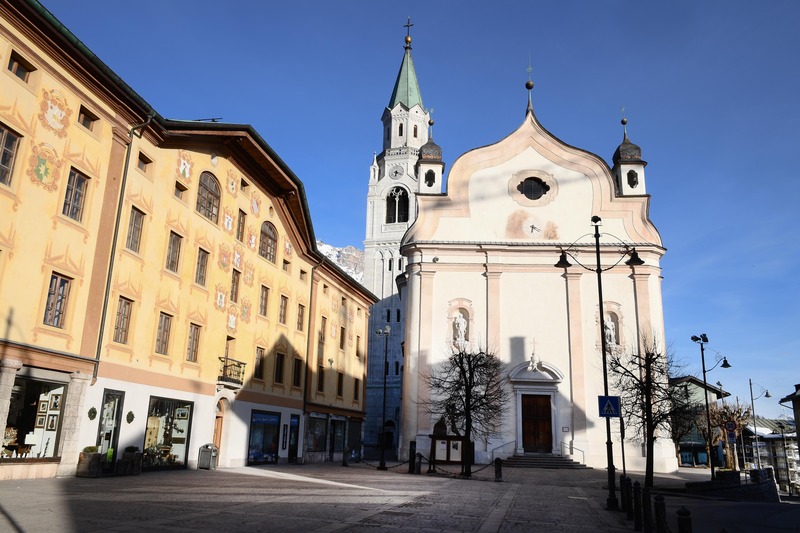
(627, 152)
(406, 88)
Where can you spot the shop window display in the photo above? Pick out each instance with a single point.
(167, 436)
(34, 419)
(316, 434)
(264, 433)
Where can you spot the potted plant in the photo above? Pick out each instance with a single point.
(89, 462)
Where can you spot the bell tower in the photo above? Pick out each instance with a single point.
(396, 176)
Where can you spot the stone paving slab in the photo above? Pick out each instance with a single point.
(330, 498)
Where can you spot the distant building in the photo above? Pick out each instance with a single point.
(160, 286)
(692, 446)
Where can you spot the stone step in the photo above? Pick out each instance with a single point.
(543, 461)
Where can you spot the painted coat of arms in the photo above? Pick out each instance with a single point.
(232, 319)
(246, 309)
(227, 220)
(237, 256)
(44, 166)
(255, 203)
(224, 257)
(233, 182)
(54, 113)
(219, 299)
(249, 273)
(185, 165)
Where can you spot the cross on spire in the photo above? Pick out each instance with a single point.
(407, 26)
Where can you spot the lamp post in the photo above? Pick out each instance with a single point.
(765, 394)
(702, 340)
(611, 501)
(385, 334)
(786, 459)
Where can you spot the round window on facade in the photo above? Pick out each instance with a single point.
(533, 188)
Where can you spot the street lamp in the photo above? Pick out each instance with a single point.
(385, 334)
(786, 459)
(702, 340)
(764, 394)
(611, 501)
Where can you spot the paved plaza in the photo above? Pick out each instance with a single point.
(328, 497)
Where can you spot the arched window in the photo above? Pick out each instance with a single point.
(415, 131)
(268, 242)
(400, 130)
(397, 206)
(208, 197)
(430, 178)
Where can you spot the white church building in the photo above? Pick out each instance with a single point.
(479, 264)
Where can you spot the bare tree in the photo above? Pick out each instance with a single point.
(650, 402)
(468, 390)
(720, 414)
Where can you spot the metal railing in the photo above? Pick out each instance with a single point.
(231, 371)
(501, 446)
(565, 444)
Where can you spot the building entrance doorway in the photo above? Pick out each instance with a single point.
(537, 424)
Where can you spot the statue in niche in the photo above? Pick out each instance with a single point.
(460, 327)
(611, 333)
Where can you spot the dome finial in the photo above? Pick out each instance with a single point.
(407, 26)
(430, 124)
(624, 123)
(529, 86)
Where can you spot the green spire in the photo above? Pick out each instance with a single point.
(406, 88)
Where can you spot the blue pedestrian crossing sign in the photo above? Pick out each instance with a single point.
(609, 406)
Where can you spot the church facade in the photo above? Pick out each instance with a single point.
(481, 272)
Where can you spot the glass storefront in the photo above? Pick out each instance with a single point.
(108, 431)
(316, 434)
(34, 419)
(264, 434)
(167, 436)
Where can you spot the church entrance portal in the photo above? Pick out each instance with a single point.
(537, 424)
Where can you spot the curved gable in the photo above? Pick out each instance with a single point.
(486, 195)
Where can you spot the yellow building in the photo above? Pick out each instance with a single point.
(171, 281)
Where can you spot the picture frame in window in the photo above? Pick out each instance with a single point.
(40, 419)
(55, 402)
(42, 406)
(182, 413)
(52, 422)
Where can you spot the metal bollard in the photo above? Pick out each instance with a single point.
(345, 453)
(622, 492)
(418, 465)
(412, 456)
(660, 512)
(629, 498)
(498, 469)
(684, 520)
(647, 511)
(431, 465)
(637, 506)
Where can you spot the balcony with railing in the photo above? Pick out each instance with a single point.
(231, 373)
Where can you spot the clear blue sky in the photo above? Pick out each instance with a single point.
(710, 89)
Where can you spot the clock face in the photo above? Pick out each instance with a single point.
(396, 172)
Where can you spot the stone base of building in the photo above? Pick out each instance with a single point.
(28, 469)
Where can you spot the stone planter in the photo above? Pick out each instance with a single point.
(89, 464)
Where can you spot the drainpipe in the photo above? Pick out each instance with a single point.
(131, 133)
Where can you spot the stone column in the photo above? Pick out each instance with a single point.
(69, 447)
(8, 372)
